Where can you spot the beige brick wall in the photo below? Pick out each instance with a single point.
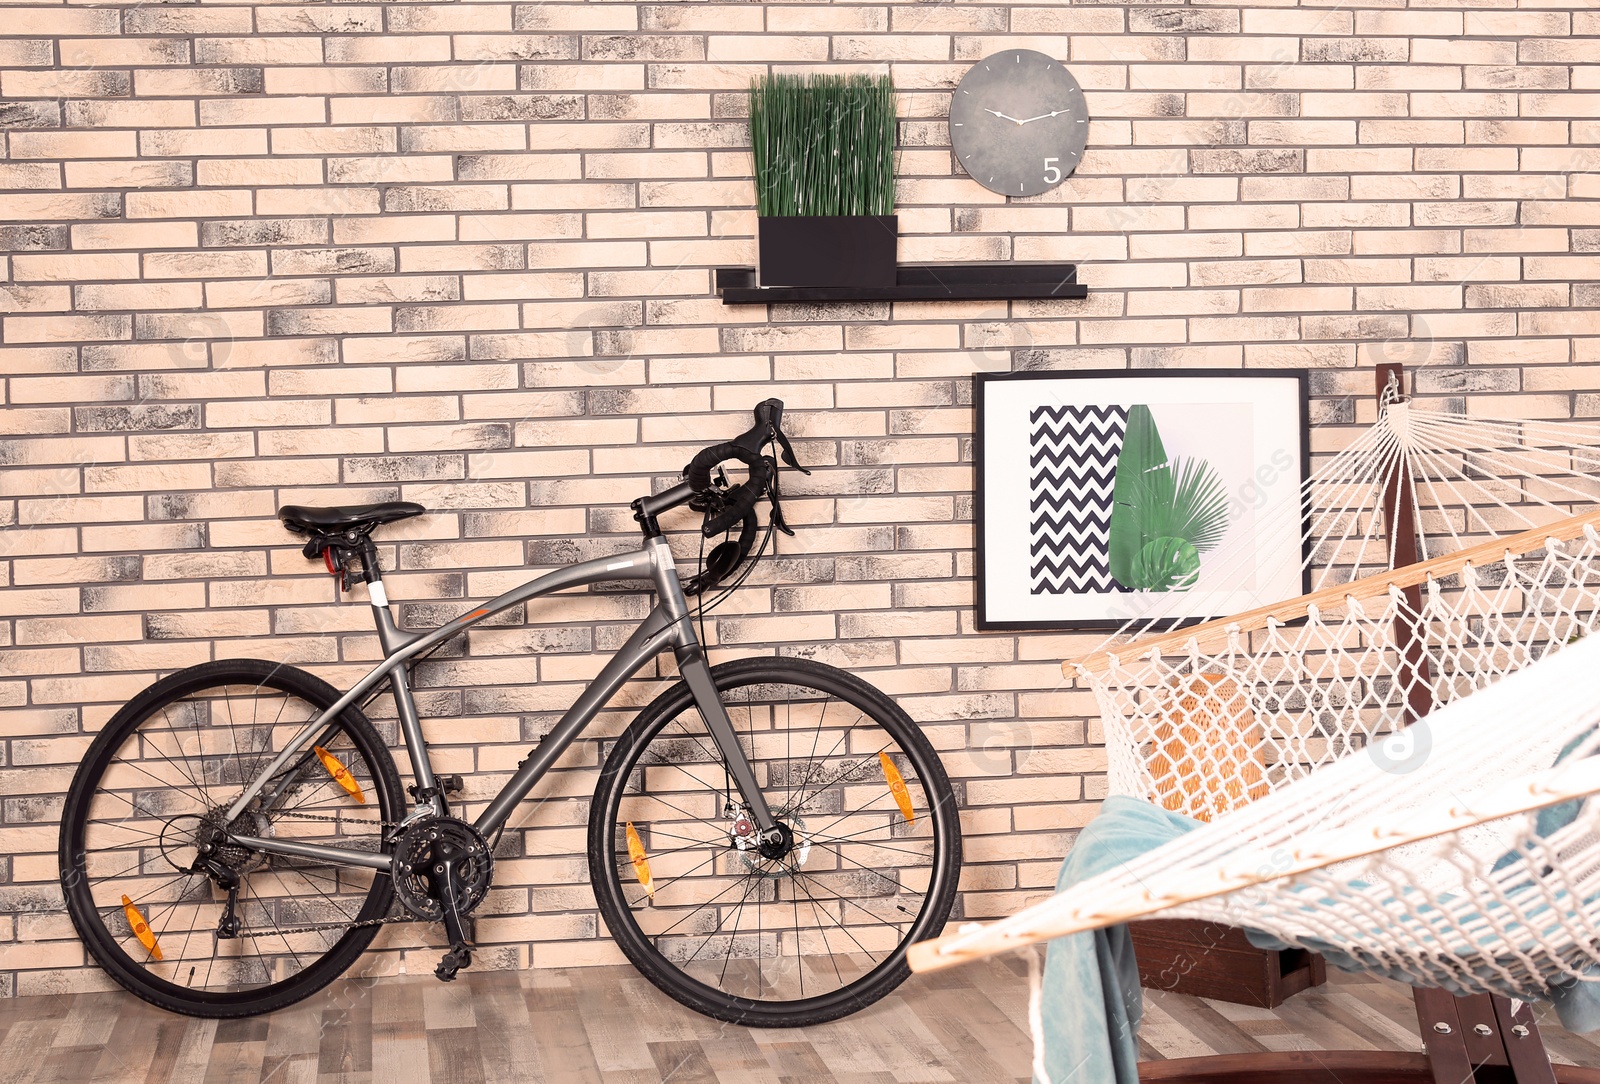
(460, 254)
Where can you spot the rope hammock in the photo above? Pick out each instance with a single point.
(1448, 876)
(1456, 852)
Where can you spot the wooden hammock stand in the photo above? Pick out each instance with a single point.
(1479, 1039)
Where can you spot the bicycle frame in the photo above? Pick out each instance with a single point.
(667, 625)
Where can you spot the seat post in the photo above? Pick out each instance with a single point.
(389, 634)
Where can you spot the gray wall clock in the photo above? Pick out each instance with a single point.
(1018, 123)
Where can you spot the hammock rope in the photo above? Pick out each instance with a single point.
(1458, 851)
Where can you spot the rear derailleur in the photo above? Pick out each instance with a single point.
(442, 870)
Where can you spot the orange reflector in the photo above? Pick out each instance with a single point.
(140, 928)
(897, 786)
(641, 864)
(341, 774)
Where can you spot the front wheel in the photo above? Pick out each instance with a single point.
(775, 933)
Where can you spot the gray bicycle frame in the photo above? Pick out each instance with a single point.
(667, 625)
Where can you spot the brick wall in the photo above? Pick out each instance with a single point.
(459, 253)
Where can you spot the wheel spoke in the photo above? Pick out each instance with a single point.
(176, 797)
(809, 747)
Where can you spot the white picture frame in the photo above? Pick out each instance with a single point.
(1207, 466)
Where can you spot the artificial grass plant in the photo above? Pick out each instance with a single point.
(823, 144)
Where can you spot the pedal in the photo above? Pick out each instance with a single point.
(459, 956)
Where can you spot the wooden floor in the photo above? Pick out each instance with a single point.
(606, 1024)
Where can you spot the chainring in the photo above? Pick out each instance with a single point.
(418, 851)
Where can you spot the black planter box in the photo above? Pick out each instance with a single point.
(828, 250)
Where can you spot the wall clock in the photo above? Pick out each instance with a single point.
(1018, 124)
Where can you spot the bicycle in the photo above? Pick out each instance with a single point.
(757, 858)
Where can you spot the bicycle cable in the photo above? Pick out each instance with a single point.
(703, 607)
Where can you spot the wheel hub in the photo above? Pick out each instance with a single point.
(777, 843)
(207, 835)
(776, 857)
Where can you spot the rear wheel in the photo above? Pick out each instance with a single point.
(778, 933)
(153, 791)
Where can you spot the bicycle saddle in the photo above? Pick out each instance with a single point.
(304, 519)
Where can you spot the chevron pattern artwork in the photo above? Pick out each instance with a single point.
(1072, 468)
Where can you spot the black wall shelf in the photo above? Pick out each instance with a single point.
(1008, 281)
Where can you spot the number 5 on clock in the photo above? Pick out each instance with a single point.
(1052, 174)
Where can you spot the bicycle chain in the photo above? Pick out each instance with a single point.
(386, 920)
(315, 927)
(337, 820)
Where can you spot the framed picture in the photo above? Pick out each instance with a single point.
(1164, 497)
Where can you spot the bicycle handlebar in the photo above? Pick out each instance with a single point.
(740, 501)
(724, 508)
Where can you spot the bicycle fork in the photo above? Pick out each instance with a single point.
(696, 674)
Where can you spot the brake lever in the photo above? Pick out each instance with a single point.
(788, 452)
(777, 508)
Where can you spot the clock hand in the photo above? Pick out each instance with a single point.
(1002, 116)
(1043, 116)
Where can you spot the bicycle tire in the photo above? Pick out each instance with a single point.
(90, 918)
(607, 859)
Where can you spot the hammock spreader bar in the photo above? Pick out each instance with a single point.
(1367, 587)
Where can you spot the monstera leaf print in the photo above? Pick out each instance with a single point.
(1165, 512)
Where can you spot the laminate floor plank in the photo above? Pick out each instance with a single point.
(84, 1025)
(1309, 1017)
(453, 1056)
(22, 1050)
(506, 1043)
(194, 1050)
(608, 1025)
(565, 1048)
(133, 1043)
(66, 1064)
(166, 1046)
(448, 1005)
(957, 1018)
(344, 1046)
(608, 1018)
(1167, 1036)
(683, 1061)
(399, 1033)
(907, 1046)
(1203, 1020)
(737, 1058)
(295, 1031)
(233, 1062)
(298, 1069)
(1384, 1032)
(1566, 1047)
(797, 1062)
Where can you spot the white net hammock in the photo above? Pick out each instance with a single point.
(1204, 729)
(1446, 875)
(1420, 852)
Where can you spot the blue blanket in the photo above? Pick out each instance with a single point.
(1092, 1002)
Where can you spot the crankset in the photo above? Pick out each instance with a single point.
(442, 871)
(426, 852)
